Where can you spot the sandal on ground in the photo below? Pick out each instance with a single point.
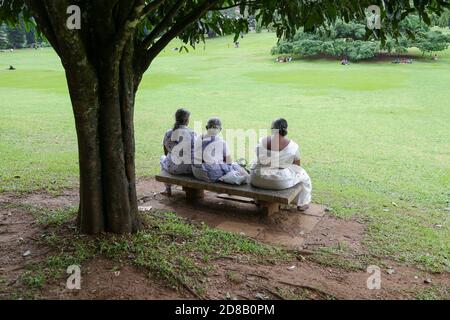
(303, 208)
(167, 193)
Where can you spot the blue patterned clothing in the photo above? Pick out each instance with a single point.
(210, 153)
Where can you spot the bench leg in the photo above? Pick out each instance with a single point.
(268, 208)
(193, 194)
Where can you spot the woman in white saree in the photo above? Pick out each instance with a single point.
(278, 165)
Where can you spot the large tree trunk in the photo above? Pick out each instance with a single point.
(104, 64)
(103, 104)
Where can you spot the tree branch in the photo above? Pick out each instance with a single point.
(139, 12)
(70, 44)
(41, 16)
(234, 5)
(152, 6)
(128, 28)
(122, 10)
(163, 25)
(191, 17)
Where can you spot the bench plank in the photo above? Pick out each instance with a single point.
(273, 196)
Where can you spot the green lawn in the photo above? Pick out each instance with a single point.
(375, 136)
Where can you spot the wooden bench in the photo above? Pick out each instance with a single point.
(267, 200)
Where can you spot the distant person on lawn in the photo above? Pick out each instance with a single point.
(178, 144)
(278, 165)
(212, 158)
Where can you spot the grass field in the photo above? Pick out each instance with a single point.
(375, 136)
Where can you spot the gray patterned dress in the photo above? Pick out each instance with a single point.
(178, 142)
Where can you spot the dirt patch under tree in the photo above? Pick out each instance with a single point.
(305, 277)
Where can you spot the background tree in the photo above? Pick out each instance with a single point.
(30, 38)
(349, 39)
(397, 45)
(105, 61)
(443, 20)
(17, 38)
(4, 44)
(433, 41)
(338, 39)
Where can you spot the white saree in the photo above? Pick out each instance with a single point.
(276, 170)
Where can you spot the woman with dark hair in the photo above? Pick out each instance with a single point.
(178, 144)
(212, 159)
(278, 165)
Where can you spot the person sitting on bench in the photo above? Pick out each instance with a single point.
(178, 145)
(212, 159)
(278, 165)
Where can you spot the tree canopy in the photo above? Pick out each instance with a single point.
(155, 23)
(152, 19)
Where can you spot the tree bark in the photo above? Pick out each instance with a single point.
(103, 105)
(104, 66)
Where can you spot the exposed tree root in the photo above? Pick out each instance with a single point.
(320, 292)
